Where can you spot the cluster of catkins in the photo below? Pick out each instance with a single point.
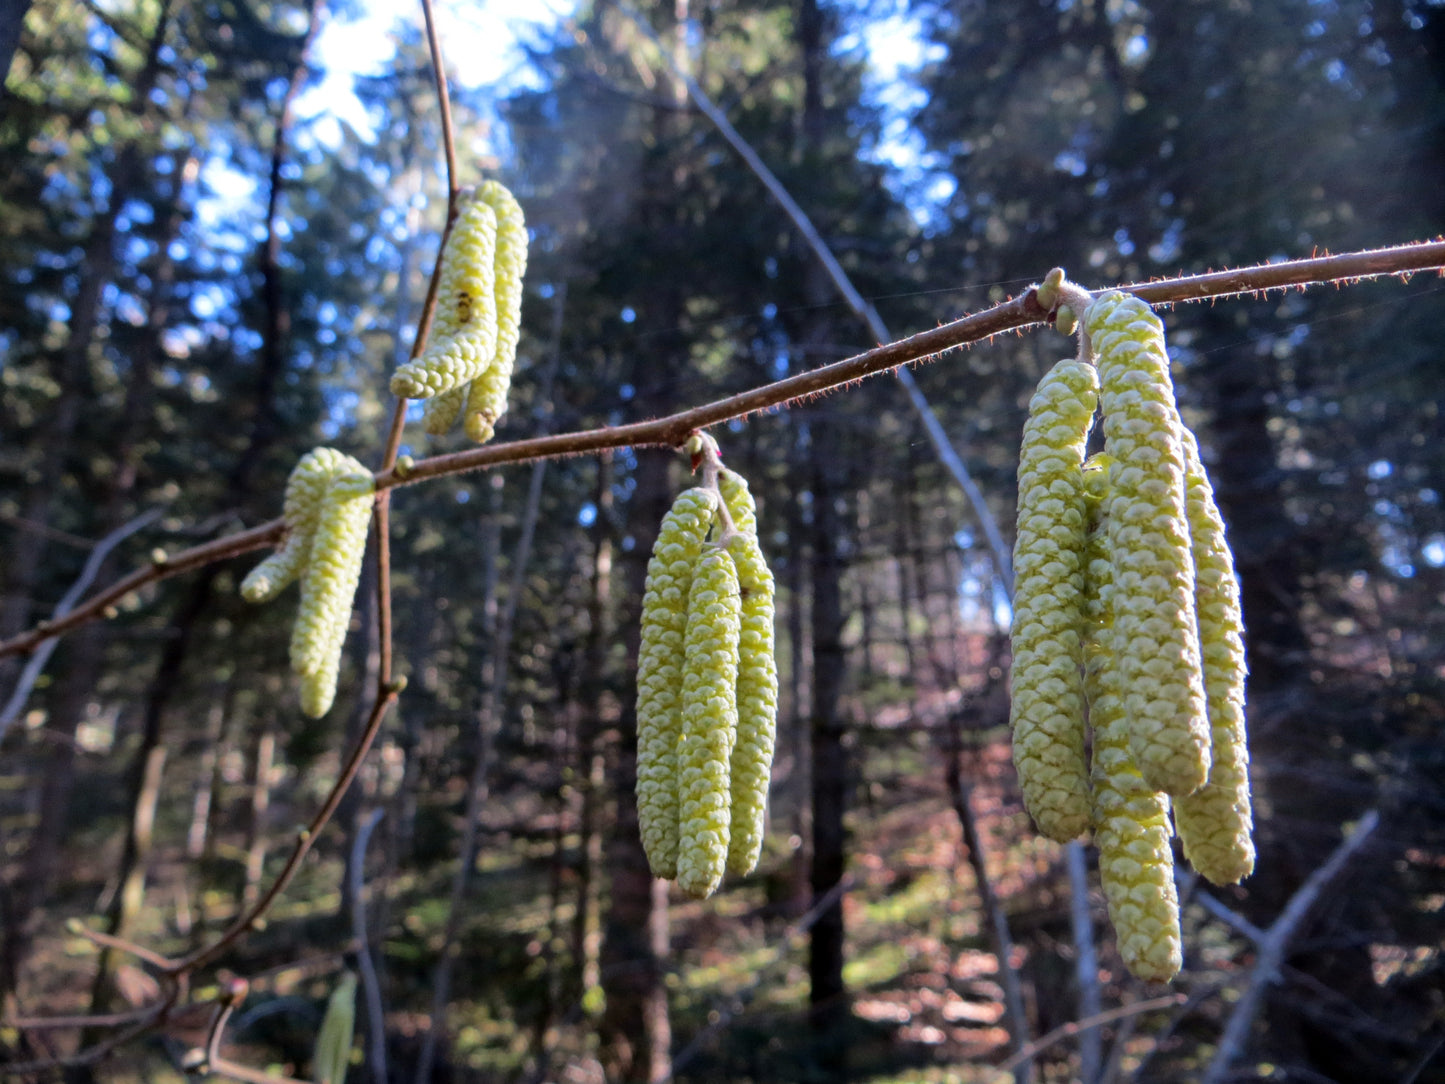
(1127, 614)
(466, 367)
(707, 686)
(467, 364)
(328, 507)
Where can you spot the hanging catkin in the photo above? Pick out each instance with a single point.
(709, 723)
(757, 685)
(328, 587)
(1046, 694)
(304, 490)
(1130, 817)
(487, 399)
(1149, 546)
(660, 663)
(464, 336)
(327, 510)
(1215, 821)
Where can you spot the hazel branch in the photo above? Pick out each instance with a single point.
(673, 430)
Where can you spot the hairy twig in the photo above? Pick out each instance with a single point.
(671, 431)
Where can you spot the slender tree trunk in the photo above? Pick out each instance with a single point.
(586, 930)
(263, 759)
(799, 744)
(634, 1029)
(264, 430)
(829, 1010)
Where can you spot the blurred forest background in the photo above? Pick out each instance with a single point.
(199, 285)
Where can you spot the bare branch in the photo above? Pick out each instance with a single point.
(1074, 1027)
(33, 669)
(671, 431)
(1272, 950)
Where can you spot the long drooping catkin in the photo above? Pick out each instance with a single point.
(757, 689)
(660, 664)
(1215, 822)
(1046, 694)
(1149, 547)
(709, 723)
(1130, 817)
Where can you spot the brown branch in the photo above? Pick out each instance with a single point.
(221, 549)
(304, 842)
(671, 431)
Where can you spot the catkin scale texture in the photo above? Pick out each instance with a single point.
(709, 722)
(487, 399)
(1046, 693)
(439, 413)
(739, 500)
(328, 586)
(1214, 823)
(660, 662)
(464, 337)
(1149, 547)
(1130, 818)
(757, 684)
(305, 489)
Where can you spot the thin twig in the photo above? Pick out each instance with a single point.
(724, 1018)
(444, 103)
(121, 944)
(36, 666)
(1074, 1027)
(1272, 950)
(671, 431)
(304, 842)
(221, 549)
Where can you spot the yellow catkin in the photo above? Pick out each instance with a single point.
(439, 413)
(304, 489)
(660, 662)
(709, 723)
(328, 587)
(1130, 818)
(1214, 823)
(1046, 694)
(757, 687)
(464, 335)
(487, 399)
(739, 499)
(1150, 546)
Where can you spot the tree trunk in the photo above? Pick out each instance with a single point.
(635, 1031)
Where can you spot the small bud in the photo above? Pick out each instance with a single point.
(1047, 291)
(1066, 321)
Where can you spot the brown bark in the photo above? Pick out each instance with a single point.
(591, 752)
(83, 669)
(829, 1011)
(634, 1029)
